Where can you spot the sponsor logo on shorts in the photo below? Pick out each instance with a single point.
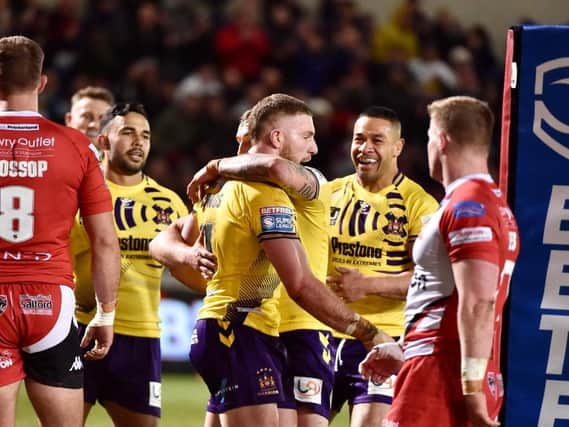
(468, 209)
(36, 304)
(155, 394)
(389, 423)
(277, 219)
(5, 359)
(308, 390)
(266, 382)
(385, 388)
(77, 365)
(3, 304)
(225, 388)
(470, 235)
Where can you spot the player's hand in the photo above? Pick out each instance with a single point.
(349, 285)
(477, 411)
(203, 182)
(103, 337)
(381, 362)
(200, 259)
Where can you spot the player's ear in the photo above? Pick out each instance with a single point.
(42, 83)
(399, 146)
(444, 140)
(275, 138)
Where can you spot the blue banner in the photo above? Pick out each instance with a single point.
(537, 380)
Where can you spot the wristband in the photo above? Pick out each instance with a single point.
(473, 371)
(351, 328)
(105, 315)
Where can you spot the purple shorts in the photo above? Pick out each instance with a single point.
(349, 385)
(309, 373)
(129, 375)
(240, 365)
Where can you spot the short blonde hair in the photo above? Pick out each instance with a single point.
(93, 92)
(467, 120)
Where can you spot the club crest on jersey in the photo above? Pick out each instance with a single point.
(395, 225)
(3, 304)
(468, 209)
(162, 215)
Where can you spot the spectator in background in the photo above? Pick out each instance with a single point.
(242, 43)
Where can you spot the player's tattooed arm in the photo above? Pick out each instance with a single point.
(295, 179)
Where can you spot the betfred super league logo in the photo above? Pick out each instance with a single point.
(551, 117)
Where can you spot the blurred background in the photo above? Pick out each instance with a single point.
(196, 65)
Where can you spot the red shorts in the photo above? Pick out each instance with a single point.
(38, 335)
(428, 393)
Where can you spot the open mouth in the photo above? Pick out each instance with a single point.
(367, 161)
(136, 155)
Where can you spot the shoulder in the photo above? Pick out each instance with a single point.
(411, 190)
(339, 183)
(319, 175)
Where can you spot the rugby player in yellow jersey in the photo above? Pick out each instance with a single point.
(377, 204)
(309, 371)
(251, 226)
(376, 215)
(128, 382)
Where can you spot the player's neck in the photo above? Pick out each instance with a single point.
(386, 179)
(464, 166)
(21, 102)
(122, 179)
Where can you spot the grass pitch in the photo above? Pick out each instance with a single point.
(184, 398)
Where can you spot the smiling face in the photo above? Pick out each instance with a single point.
(128, 143)
(376, 145)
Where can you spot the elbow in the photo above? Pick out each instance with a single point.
(294, 289)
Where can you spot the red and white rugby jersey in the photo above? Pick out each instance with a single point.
(473, 222)
(47, 171)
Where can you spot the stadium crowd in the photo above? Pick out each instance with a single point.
(196, 66)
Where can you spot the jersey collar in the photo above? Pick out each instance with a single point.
(458, 182)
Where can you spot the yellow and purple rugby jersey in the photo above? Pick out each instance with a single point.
(374, 233)
(236, 220)
(140, 212)
(313, 219)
